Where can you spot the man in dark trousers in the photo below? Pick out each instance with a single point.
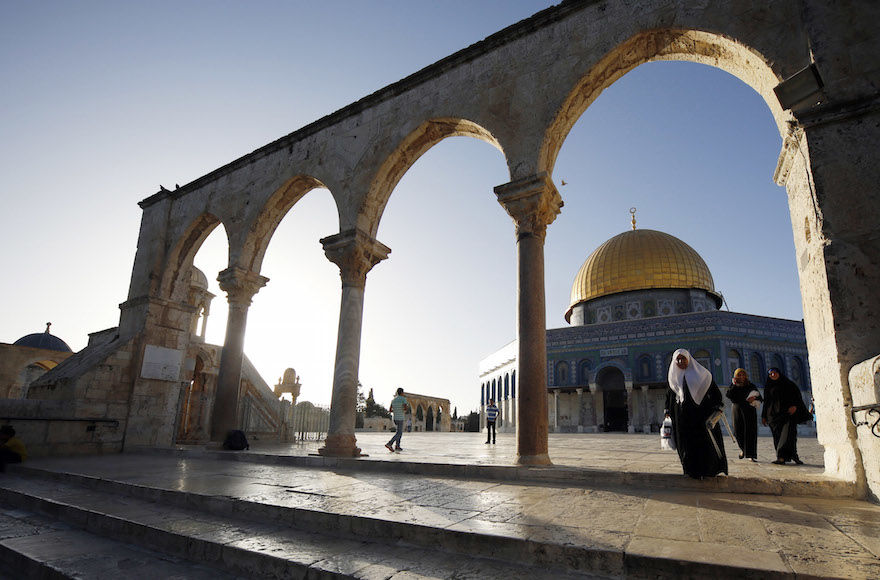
(492, 414)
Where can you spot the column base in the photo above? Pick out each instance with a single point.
(340, 446)
(542, 459)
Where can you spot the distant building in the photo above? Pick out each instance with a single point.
(637, 298)
(27, 359)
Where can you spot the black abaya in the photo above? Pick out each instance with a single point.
(693, 441)
(779, 396)
(745, 419)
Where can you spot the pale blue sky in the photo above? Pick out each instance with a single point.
(104, 101)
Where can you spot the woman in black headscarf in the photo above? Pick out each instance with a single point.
(783, 409)
(694, 404)
(745, 398)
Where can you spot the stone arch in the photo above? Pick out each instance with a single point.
(410, 149)
(662, 45)
(257, 238)
(176, 275)
(429, 419)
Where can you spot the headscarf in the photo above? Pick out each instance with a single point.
(698, 378)
(738, 371)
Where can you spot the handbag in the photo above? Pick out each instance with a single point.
(666, 440)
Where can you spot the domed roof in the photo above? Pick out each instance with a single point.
(198, 279)
(639, 260)
(43, 340)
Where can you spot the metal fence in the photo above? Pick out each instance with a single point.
(309, 423)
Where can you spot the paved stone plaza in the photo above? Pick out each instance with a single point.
(612, 505)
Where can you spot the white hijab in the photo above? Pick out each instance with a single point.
(698, 378)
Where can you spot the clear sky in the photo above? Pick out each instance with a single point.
(104, 101)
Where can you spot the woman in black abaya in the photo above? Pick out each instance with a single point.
(745, 397)
(693, 399)
(783, 409)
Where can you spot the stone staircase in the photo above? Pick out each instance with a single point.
(165, 515)
(61, 525)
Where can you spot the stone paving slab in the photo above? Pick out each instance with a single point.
(245, 547)
(744, 534)
(33, 546)
(594, 460)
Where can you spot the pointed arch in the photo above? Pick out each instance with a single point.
(662, 45)
(416, 144)
(178, 265)
(257, 238)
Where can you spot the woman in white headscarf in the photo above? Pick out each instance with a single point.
(692, 403)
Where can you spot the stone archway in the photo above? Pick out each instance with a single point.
(429, 419)
(522, 90)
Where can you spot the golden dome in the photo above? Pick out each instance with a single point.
(639, 260)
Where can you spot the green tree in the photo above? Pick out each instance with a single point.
(373, 409)
(473, 422)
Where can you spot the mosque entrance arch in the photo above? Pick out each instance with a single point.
(613, 386)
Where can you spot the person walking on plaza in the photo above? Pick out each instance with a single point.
(399, 407)
(783, 409)
(694, 404)
(745, 399)
(492, 414)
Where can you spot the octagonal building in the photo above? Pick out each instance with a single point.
(636, 298)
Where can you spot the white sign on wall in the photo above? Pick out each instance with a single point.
(161, 363)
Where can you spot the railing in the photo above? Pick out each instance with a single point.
(112, 422)
(309, 424)
(870, 411)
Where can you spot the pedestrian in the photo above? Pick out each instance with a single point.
(492, 415)
(694, 404)
(783, 409)
(12, 449)
(398, 408)
(745, 399)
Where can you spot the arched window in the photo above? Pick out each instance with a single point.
(420, 414)
(704, 357)
(798, 374)
(561, 373)
(645, 367)
(757, 372)
(779, 362)
(506, 387)
(513, 385)
(482, 394)
(734, 361)
(585, 367)
(493, 390)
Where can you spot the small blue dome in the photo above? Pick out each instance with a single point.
(43, 340)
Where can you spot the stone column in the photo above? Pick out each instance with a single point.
(647, 419)
(240, 286)
(355, 253)
(630, 415)
(580, 406)
(533, 203)
(594, 392)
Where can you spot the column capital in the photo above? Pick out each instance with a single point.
(240, 284)
(355, 252)
(533, 203)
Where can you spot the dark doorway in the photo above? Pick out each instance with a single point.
(429, 420)
(612, 384)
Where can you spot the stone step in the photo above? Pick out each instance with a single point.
(563, 475)
(39, 548)
(554, 553)
(243, 539)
